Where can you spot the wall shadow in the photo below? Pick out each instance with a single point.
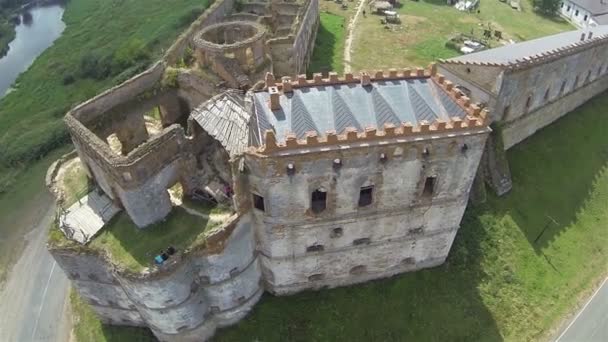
(439, 304)
(127, 334)
(555, 171)
(324, 49)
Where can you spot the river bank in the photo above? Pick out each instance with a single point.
(15, 15)
(33, 35)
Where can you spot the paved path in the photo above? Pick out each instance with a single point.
(348, 46)
(33, 302)
(591, 323)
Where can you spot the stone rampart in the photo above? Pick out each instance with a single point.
(523, 127)
(187, 299)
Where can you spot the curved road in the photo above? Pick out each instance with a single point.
(33, 305)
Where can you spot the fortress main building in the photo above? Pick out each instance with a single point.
(324, 182)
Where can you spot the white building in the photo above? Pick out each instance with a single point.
(585, 13)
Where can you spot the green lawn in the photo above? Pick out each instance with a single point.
(30, 117)
(329, 45)
(428, 24)
(501, 280)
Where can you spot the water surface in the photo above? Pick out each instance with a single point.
(34, 34)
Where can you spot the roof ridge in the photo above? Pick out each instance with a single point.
(301, 120)
(384, 112)
(343, 116)
(417, 102)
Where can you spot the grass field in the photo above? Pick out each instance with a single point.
(97, 32)
(428, 24)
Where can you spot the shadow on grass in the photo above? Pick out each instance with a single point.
(331, 31)
(556, 18)
(555, 171)
(127, 334)
(436, 2)
(439, 304)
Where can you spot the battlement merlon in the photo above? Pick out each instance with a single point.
(435, 108)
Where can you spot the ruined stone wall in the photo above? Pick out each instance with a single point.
(291, 54)
(139, 180)
(212, 15)
(401, 230)
(185, 300)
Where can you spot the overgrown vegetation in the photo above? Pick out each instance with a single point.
(95, 52)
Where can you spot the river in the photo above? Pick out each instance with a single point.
(33, 36)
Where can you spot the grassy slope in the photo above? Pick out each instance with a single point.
(422, 36)
(499, 282)
(30, 117)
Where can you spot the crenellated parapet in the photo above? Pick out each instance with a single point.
(474, 115)
(587, 41)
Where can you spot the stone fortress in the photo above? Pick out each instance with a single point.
(331, 181)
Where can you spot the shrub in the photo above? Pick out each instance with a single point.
(129, 54)
(189, 17)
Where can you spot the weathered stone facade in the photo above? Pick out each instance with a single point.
(526, 93)
(408, 180)
(334, 181)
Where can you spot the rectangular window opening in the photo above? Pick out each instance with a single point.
(366, 196)
(258, 202)
(429, 186)
(318, 201)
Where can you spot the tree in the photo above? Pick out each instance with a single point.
(548, 7)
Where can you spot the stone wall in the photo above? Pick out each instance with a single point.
(524, 126)
(185, 300)
(401, 230)
(527, 89)
(212, 15)
(291, 54)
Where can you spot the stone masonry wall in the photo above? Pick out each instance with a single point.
(401, 230)
(525, 90)
(517, 130)
(185, 300)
